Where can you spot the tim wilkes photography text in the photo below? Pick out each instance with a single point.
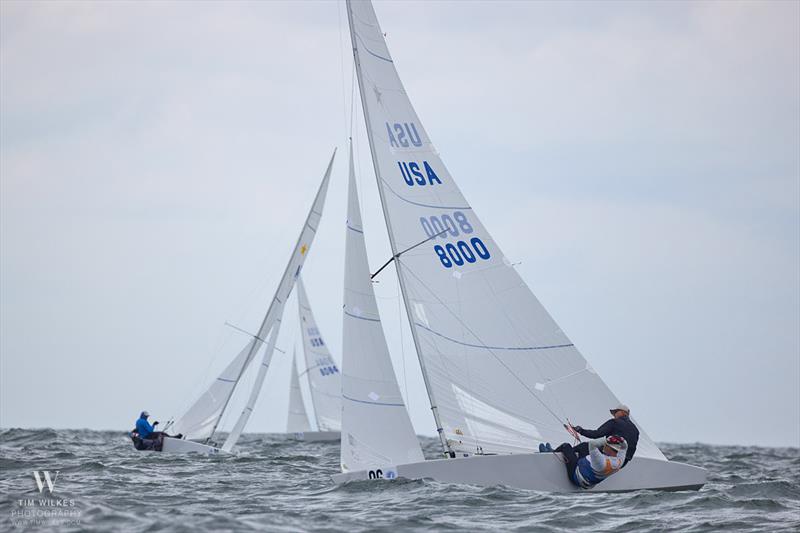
(44, 508)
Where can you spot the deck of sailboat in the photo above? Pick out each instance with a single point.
(540, 472)
(171, 445)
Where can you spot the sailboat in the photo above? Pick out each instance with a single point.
(322, 373)
(201, 421)
(297, 422)
(501, 376)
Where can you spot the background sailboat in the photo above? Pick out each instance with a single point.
(500, 374)
(201, 421)
(322, 374)
(297, 421)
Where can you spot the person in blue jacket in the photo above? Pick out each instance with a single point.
(147, 430)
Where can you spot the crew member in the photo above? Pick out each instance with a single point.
(148, 431)
(606, 457)
(620, 424)
(145, 429)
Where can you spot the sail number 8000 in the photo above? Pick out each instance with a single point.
(457, 253)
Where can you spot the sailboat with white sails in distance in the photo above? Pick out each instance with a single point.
(500, 374)
(323, 377)
(200, 423)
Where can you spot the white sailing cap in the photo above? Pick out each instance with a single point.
(621, 407)
(145, 413)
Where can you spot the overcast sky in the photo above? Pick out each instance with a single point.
(641, 160)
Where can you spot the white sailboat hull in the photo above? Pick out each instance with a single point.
(318, 436)
(538, 471)
(187, 446)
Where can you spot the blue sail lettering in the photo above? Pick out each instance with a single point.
(392, 140)
(401, 135)
(404, 172)
(431, 174)
(412, 173)
(419, 178)
(415, 141)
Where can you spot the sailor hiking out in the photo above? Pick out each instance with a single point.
(606, 457)
(620, 425)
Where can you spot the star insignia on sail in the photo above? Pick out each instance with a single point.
(378, 93)
(303, 249)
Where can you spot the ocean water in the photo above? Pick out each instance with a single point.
(276, 484)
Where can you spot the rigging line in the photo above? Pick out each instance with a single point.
(245, 304)
(309, 369)
(478, 442)
(524, 385)
(245, 332)
(402, 346)
(341, 61)
(352, 98)
(254, 336)
(398, 254)
(198, 386)
(531, 360)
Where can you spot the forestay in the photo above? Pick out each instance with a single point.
(201, 420)
(323, 374)
(499, 370)
(298, 419)
(376, 429)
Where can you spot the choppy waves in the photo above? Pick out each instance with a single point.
(276, 484)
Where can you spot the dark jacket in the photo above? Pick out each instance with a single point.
(621, 426)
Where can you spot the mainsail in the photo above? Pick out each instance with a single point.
(322, 372)
(501, 375)
(298, 419)
(201, 420)
(376, 429)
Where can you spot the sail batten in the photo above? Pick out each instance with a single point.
(500, 374)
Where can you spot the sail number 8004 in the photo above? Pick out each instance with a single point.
(457, 253)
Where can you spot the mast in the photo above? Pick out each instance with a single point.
(254, 346)
(272, 312)
(237, 430)
(434, 409)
